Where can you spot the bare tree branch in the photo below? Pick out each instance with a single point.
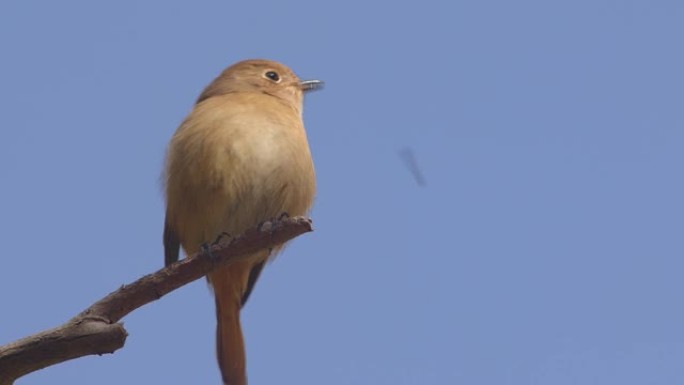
(96, 330)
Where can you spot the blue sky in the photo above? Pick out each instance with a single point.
(545, 248)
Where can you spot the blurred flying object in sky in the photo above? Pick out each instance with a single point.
(406, 154)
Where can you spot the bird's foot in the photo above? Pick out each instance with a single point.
(265, 225)
(206, 249)
(272, 224)
(220, 237)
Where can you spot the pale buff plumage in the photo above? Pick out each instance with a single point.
(240, 158)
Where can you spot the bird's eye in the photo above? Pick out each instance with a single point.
(273, 76)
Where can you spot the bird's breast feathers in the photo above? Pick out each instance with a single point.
(254, 152)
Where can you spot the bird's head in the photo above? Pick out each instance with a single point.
(264, 76)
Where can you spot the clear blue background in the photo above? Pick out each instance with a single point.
(546, 247)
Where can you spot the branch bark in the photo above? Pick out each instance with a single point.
(96, 329)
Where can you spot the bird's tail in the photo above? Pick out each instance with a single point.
(229, 284)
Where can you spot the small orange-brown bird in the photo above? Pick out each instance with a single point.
(240, 158)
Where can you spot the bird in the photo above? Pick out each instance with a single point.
(241, 157)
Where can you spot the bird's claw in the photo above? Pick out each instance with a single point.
(206, 249)
(220, 237)
(272, 223)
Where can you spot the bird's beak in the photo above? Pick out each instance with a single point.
(311, 85)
